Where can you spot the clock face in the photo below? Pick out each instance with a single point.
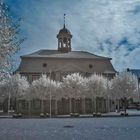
(64, 39)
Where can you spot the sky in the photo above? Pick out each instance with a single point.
(109, 28)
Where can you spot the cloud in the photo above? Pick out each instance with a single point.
(106, 27)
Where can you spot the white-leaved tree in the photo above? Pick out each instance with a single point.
(96, 85)
(41, 89)
(124, 86)
(45, 88)
(15, 87)
(73, 87)
(9, 40)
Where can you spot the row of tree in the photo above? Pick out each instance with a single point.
(124, 85)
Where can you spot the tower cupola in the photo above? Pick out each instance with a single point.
(64, 39)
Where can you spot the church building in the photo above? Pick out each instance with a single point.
(64, 61)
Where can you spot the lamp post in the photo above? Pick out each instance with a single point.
(50, 97)
(9, 97)
(9, 94)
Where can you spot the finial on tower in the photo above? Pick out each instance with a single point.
(64, 20)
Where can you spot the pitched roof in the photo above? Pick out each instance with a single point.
(58, 54)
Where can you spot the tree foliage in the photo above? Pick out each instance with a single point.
(9, 40)
(73, 85)
(43, 86)
(96, 85)
(124, 85)
(15, 86)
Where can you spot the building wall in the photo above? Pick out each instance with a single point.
(32, 68)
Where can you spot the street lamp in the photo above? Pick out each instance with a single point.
(50, 97)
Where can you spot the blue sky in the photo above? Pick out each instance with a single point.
(106, 27)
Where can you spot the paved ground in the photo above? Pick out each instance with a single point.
(115, 128)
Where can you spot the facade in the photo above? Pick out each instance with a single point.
(63, 61)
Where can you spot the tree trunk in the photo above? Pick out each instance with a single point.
(95, 105)
(118, 105)
(56, 108)
(74, 106)
(93, 109)
(84, 105)
(50, 107)
(29, 107)
(9, 98)
(70, 106)
(108, 110)
(16, 106)
(42, 106)
(125, 105)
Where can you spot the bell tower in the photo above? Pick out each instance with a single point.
(64, 39)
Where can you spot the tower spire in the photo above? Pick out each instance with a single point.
(64, 20)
